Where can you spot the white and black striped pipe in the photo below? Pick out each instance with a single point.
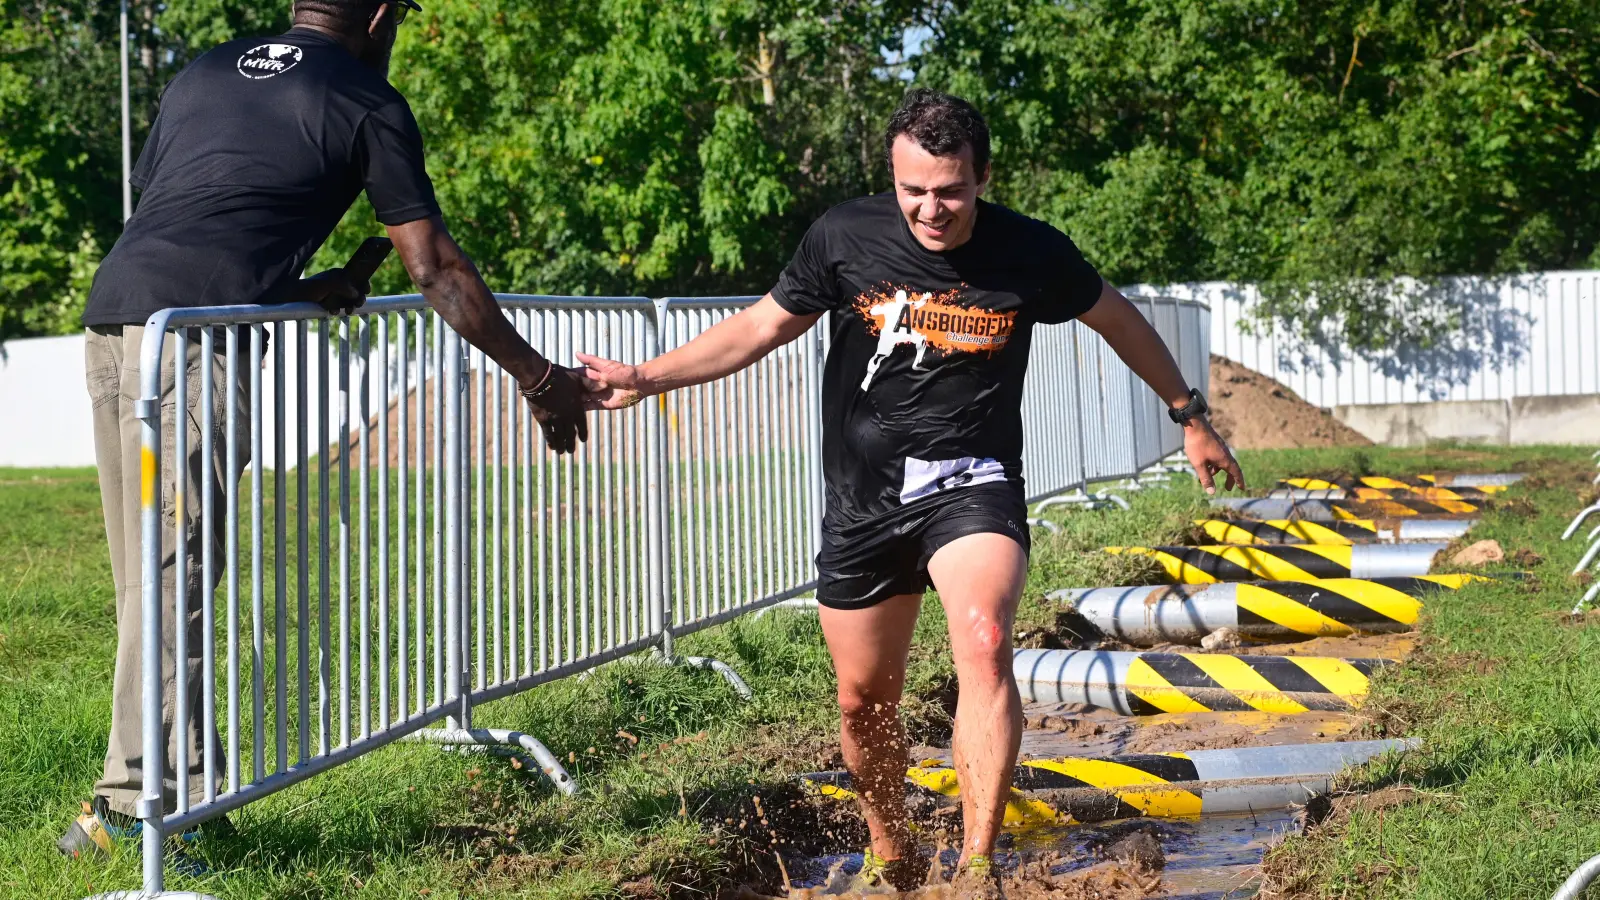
(1267, 611)
(1481, 480)
(1312, 510)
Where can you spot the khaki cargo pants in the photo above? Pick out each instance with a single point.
(111, 368)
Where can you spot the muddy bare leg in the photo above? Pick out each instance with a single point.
(979, 578)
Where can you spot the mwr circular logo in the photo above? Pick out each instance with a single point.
(268, 60)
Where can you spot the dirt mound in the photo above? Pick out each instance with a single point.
(1254, 412)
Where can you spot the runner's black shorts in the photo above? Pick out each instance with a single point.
(865, 564)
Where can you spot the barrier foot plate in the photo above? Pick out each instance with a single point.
(491, 738)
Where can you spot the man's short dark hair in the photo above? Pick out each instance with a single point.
(342, 15)
(940, 124)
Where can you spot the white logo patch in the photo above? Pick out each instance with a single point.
(268, 60)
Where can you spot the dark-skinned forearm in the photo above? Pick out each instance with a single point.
(462, 299)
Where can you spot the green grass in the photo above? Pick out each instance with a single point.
(409, 819)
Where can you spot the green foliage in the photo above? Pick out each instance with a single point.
(622, 148)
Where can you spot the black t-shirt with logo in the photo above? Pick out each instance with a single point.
(922, 390)
(259, 148)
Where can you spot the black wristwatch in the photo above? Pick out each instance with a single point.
(1195, 407)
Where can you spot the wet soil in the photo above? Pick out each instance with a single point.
(1361, 646)
(1057, 730)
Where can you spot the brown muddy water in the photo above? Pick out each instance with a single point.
(1212, 858)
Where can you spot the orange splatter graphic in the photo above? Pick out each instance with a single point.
(936, 319)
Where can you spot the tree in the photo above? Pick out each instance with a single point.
(1316, 147)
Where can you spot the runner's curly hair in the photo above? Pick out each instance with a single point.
(940, 124)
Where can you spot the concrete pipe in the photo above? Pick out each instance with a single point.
(1072, 790)
(1137, 684)
(1384, 508)
(1288, 562)
(1325, 510)
(1269, 610)
(1346, 531)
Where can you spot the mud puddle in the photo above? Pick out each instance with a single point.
(1210, 858)
(1214, 858)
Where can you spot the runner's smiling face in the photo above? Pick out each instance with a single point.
(938, 195)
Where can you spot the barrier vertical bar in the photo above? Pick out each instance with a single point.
(280, 522)
(208, 608)
(324, 714)
(180, 565)
(401, 517)
(496, 454)
(148, 411)
(479, 537)
(364, 530)
(440, 507)
(451, 463)
(258, 649)
(656, 594)
(302, 535)
(344, 532)
(385, 472)
(231, 486)
(419, 632)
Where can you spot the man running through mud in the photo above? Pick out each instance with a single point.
(922, 447)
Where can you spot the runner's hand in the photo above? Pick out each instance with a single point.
(617, 385)
(1209, 455)
(559, 410)
(334, 290)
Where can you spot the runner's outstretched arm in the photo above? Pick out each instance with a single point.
(1141, 347)
(721, 350)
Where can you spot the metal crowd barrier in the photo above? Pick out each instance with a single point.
(1112, 427)
(435, 557)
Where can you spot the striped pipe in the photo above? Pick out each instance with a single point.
(1288, 562)
(1478, 481)
(1269, 610)
(1138, 684)
(1336, 510)
(1383, 507)
(1420, 484)
(1387, 489)
(1347, 531)
(1054, 792)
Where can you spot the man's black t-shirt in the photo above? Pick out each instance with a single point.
(922, 390)
(260, 147)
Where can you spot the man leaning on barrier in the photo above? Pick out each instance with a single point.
(259, 148)
(933, 295)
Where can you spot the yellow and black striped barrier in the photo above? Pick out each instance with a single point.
(1072, 790)
(1405, 508)
(1347, 531)
(1265, 610)
(1384, 483)
(1148, 683)
(1389, 489)
(1288, 562)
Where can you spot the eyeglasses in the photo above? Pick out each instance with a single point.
(402, 8)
